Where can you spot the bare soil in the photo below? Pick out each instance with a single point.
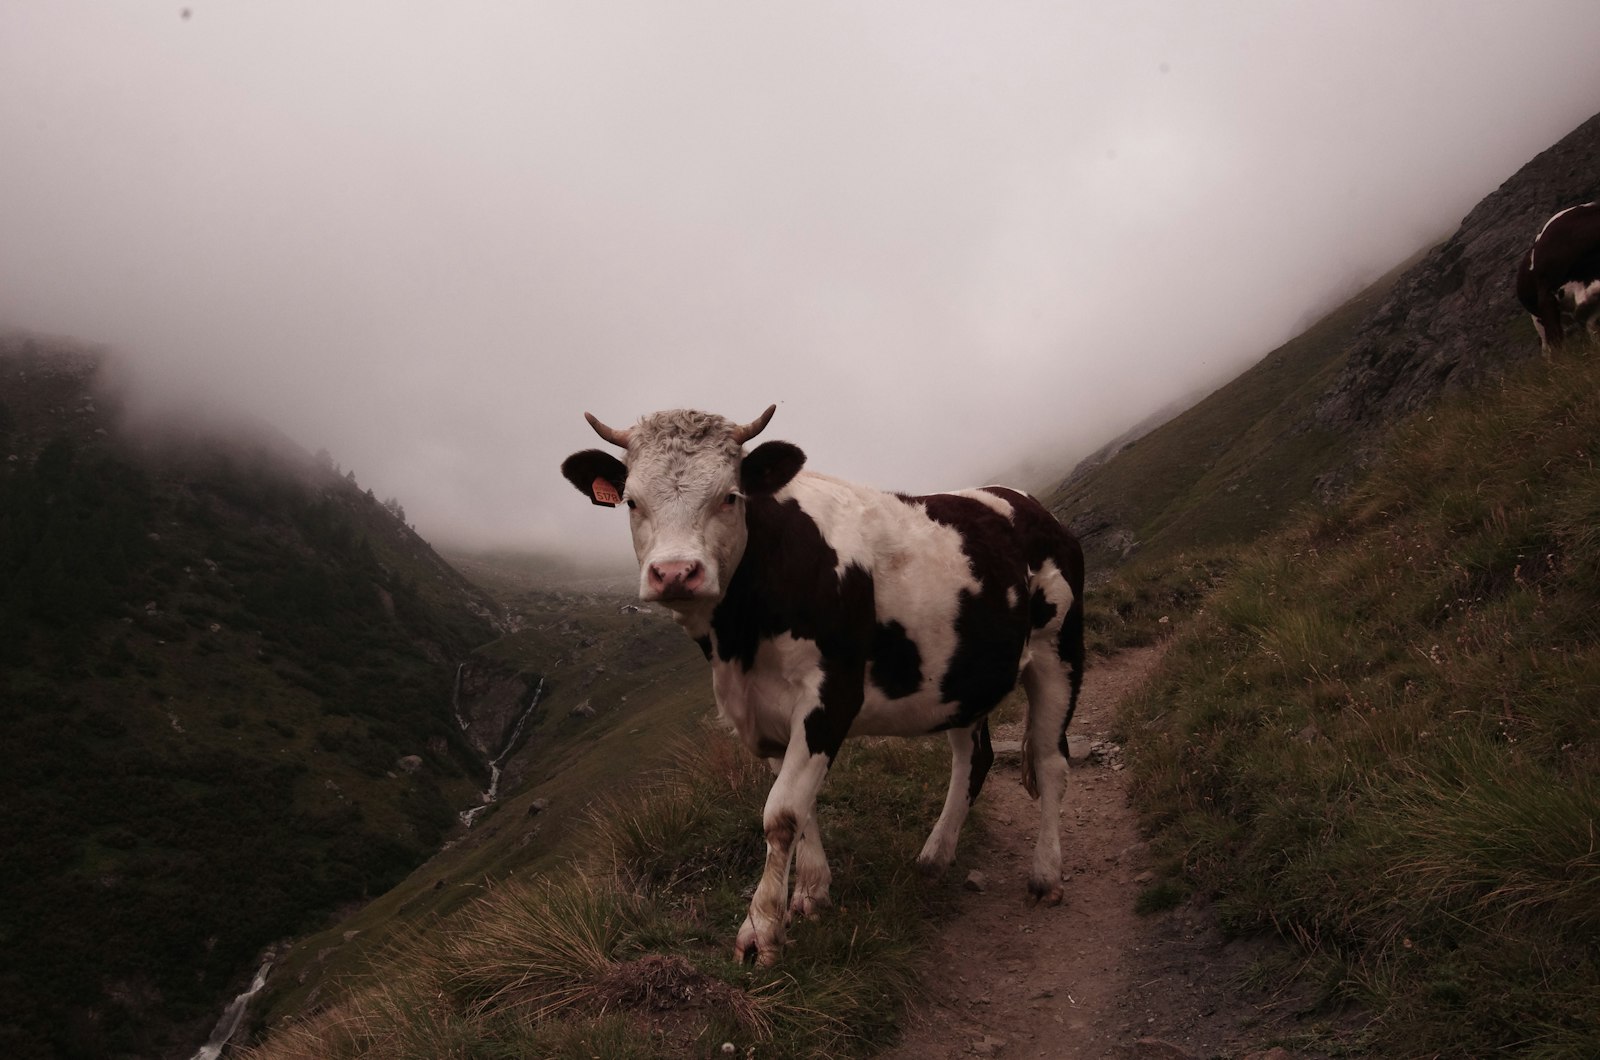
(1090, 978)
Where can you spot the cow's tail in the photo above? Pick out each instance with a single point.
(1070, 650)
(1072, 655)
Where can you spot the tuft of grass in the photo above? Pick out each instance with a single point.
(1160, 896)
(1139, 604)
(536, 948)
(1379, 737)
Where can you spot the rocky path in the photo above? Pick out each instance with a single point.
(1090, 979)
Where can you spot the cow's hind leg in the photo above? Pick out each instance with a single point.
(811, 873)
(1049, 699)
(971, 755)
(1548, 322)
(1586, 310)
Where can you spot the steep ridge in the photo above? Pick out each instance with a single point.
(1440, 327)
(225, 703)
(1225, 470)
(1296, 426)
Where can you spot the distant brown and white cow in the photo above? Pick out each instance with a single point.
(830, 609)
(1561, 273)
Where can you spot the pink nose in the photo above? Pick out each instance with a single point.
(676, 580)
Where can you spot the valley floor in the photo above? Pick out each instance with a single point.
(1091, 979)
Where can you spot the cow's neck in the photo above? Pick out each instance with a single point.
(695, 618)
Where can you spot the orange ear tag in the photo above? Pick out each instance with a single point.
(605, 493)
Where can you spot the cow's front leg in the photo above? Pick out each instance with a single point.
(791, 801)
(811, 873)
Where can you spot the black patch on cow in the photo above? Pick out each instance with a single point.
(769, 467)
(990, 629)
(844, 668)
(705, 646)
(982, 759)
(786, 583)
(1040, 610)
(581, 469)
(896, 661)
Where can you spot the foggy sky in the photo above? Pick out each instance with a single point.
(942, 237)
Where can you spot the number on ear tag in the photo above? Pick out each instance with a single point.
(605, 493)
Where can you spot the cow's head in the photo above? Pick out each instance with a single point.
(685, 482)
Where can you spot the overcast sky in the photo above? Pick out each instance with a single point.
(429, 236)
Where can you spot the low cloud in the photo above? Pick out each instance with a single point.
(944, 238)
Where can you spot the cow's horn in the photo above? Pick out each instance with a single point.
(754, 427)
(610, 434)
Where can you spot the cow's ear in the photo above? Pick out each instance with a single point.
(769, 468)
(598, 476)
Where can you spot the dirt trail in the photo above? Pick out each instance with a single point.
(1092, 978)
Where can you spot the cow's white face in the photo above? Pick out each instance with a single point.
(685, 485)
(686, 511)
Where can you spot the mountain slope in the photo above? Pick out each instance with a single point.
(619, 687)
(1380, 738)
(1226, 469)
(216, 656)
(1297, 425)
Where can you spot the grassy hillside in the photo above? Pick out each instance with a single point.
(1228, 469)
(213, 655)
(620, 685)
(1380, 737)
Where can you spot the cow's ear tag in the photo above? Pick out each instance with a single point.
(604, 493)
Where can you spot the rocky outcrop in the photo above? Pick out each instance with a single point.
(1440, 327)
(490, 699)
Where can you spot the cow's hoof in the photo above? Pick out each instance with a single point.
(1041, 893)
(808, 906)
(751, 954)
(931, 868)
(748, 948)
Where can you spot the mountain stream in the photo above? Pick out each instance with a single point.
(492, 793)
(233, 1015)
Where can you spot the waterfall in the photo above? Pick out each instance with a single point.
(455, 698)
(493, 791)
(232, 1016)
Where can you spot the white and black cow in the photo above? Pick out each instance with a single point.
(1561, 273)
(829, 609)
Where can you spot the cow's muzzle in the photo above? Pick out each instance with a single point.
(678, 580)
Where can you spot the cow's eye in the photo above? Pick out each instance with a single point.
(731, 499)
(631, 505)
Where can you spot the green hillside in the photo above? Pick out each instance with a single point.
(214, 653)
(1379, 740)
(1227, 469)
